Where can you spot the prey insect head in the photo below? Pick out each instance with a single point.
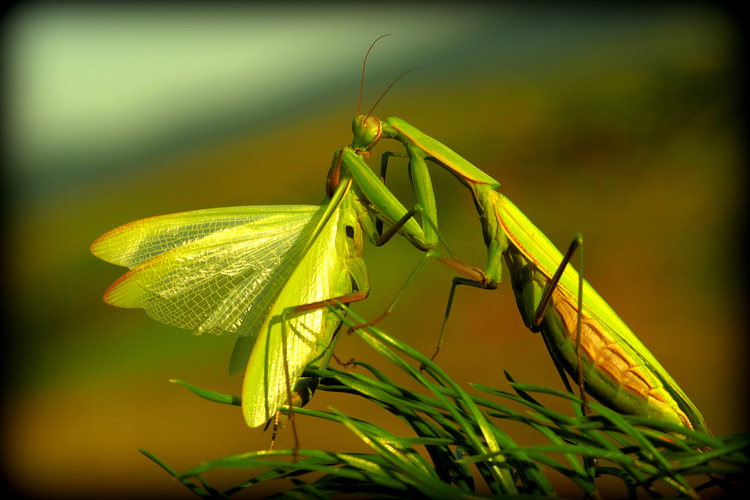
(367, 130)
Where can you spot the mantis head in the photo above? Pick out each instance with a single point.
(367, 130)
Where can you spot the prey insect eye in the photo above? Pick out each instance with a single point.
(350, 232)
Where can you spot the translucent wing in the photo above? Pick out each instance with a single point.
(208, 270)
(327, 270)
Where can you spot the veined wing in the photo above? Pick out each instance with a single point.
(207, 270)
(136, 242)
(327, 270)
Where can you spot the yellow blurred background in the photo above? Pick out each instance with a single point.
(621, 123)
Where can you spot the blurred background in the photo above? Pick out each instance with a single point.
(622, 123)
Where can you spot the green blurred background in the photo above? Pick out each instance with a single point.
(621, 123)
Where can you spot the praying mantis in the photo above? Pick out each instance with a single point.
(260, 273)
(581, 331)
(586, 338)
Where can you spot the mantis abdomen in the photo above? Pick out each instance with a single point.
(613, 373)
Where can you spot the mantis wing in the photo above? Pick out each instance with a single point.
(208, 270)
(539, 250)
(236, 271)
(288, 340)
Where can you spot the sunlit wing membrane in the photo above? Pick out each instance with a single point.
(207, 270)
(322, 274)
(136, 242)
(237, 270)
(349, 247)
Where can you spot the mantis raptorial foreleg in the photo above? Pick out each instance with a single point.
(596, 347)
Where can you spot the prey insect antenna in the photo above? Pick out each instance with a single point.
(364, 64)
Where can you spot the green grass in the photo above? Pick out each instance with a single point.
(459, 449)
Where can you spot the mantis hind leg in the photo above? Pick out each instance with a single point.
(477, 283)
(576, 244)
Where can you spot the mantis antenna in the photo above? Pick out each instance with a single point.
(362, 84)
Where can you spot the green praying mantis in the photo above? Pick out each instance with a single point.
(581, 331)
(269, 274)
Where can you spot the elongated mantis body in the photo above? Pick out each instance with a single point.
(615, 367)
